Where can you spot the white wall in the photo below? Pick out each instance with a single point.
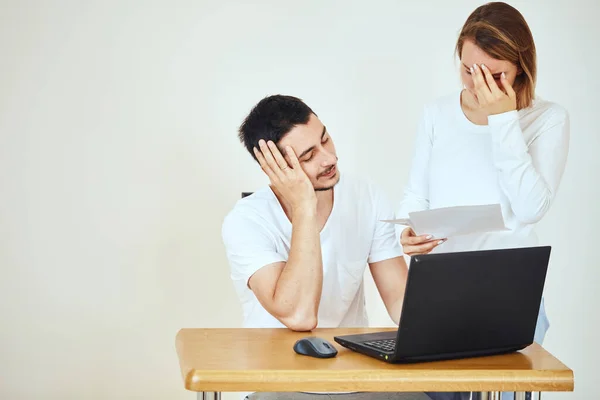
(119, 159)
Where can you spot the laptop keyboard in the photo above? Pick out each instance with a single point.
(387, 345)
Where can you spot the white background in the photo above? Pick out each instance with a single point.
(119, 159)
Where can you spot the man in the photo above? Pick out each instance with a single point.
(298, 249)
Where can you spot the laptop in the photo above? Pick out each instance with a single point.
(464, 304)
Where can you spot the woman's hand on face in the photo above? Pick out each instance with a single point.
(413, 244)
(490, 97)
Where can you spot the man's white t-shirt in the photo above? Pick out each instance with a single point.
(257, 233)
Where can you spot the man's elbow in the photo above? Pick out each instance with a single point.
(301, 322)
(301, 317)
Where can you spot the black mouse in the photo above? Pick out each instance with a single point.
(315, 347)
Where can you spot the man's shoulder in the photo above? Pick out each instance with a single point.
(252, 208)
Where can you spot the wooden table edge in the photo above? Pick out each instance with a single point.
(381, 381)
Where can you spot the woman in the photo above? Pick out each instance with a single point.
(492, 142)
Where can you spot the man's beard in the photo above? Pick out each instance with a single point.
(326, 188)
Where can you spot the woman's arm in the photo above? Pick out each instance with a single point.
(530, 173)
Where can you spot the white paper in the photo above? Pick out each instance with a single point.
(454, 221)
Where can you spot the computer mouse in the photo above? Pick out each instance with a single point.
(315, 347)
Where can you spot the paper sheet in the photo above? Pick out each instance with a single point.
(453, 221)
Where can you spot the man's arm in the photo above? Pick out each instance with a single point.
(291, 291)
(390, 278)
(386, 260)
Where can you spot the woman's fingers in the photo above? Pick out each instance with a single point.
(411, 250)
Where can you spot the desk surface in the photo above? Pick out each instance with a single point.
(234, 360)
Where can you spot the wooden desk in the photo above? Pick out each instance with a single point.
(262, 360)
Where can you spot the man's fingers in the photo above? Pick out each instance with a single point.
(292, 156)
(268, 156)
(277, 156)
(263, 164)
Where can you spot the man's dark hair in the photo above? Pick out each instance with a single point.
(271, 119)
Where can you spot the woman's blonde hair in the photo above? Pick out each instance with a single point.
(501, 31)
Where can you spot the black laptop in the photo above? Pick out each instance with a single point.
(463, 304)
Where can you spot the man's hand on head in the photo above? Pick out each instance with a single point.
(290, 180)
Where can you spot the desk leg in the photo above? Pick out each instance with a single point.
(208, 396)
